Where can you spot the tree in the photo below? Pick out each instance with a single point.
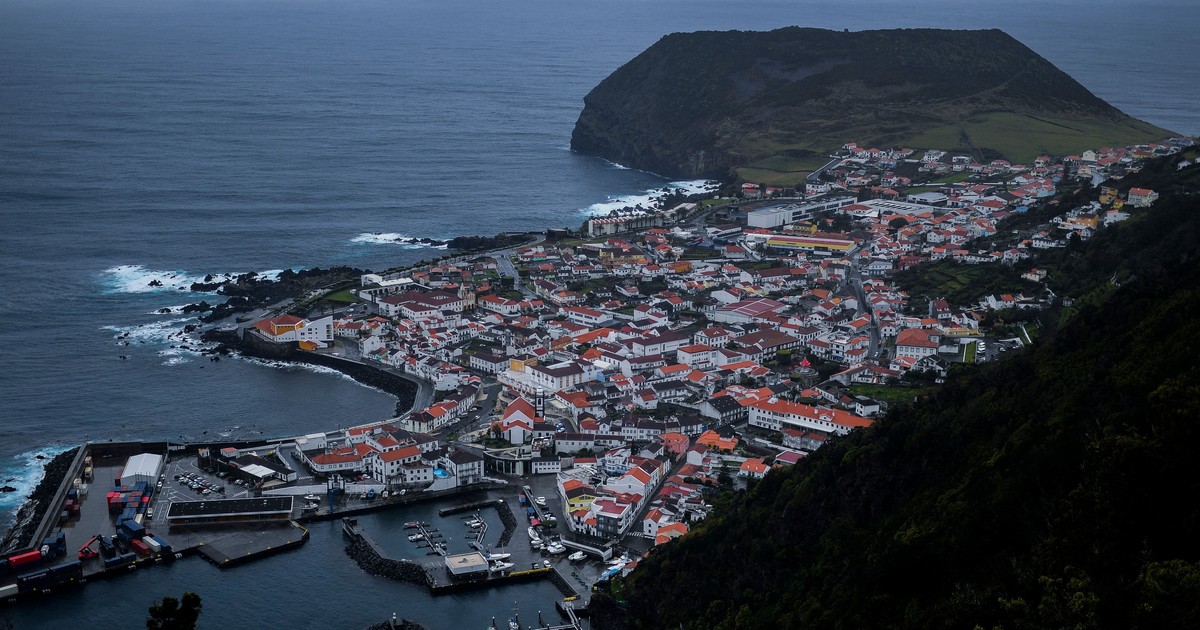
(173, 614)
(897, 223)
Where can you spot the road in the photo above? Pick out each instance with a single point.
(815, 176)
(506, 268)
(874, 346)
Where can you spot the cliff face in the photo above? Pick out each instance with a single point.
(698, 104)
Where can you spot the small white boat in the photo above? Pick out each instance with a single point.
(312, 497)
(555, 548)
(502, 566)
(494, 557)
(578, 556)
(416, 537)
(533, 534)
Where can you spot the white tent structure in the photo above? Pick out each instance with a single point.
(143, 467)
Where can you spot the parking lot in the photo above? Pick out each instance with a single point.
(170, 488)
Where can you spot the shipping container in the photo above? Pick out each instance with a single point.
(36, 580)
(166, 547)
(115, 561)
(83, 490)
(140, 547)
(70, 570)
(62, 518)
(73, 493)
(107, 548)
(24, 559)
(152, 544)
(7, 591)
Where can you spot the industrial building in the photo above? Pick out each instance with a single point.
(142, 467)
(216, 512)
(786, 214)
(466, 565)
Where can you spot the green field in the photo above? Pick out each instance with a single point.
(342, 296)
(972, 348)
(889, 393)
(1022, 137)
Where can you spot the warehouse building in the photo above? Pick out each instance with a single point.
(222, 511)
(143, 467)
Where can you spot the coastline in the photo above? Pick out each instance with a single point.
(405, 389)
(33, 510)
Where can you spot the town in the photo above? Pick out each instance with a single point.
(621, 377)
(662, 352)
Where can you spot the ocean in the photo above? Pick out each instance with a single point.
(173, 139)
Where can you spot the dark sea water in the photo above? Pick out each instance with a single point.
(172, 139)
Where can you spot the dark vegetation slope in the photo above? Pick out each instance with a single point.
(697, 104)
(1056, 489)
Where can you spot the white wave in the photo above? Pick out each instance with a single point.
(23, 472)
(164, 331)
(646, 199)
(139, 279)
(169, 310)
(394, 238)
(176, 361)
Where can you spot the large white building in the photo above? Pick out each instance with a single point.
(778, 216)
(288, 328)
(775, 414)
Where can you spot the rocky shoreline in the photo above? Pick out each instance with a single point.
(30, 515)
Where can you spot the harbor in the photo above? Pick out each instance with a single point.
(120, 522)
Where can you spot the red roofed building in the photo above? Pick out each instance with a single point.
(916, 343)
(289, 328)
(775, 414)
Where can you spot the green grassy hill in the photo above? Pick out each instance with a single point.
(1053, 490)
(774, 103)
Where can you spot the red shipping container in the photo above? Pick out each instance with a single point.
(23, 559)
(139, 547)
(145, 499)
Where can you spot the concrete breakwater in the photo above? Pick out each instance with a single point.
(369, 559)
(403, 389)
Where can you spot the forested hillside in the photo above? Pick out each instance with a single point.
(1056, 489)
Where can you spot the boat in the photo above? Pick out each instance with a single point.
(578, 556)
(309, 507)
(502, 566)
(412, 524)
(312, 497)
(555, 548)
(492, 557)
(533, 534)
(416, 537)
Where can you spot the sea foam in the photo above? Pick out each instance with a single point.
(393, 238)
(23, 471)
(646, 199)
(139, 279)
